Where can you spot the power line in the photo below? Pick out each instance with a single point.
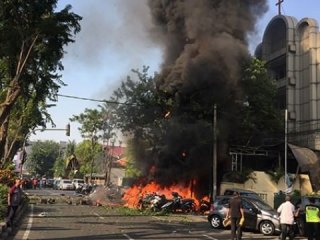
(93, 100)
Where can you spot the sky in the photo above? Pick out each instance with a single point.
(115, 39)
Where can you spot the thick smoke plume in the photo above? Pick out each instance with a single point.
(205, 40)
(205, 43)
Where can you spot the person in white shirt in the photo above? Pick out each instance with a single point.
(287, 212)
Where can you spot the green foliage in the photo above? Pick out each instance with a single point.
(91, 121)
(85, 153)
(145, 106)
(3, 200)
(132, 154)
(7, 176)
(257, 113)
(59, 167)
(109, 122)
(32, 40)
(42, 157)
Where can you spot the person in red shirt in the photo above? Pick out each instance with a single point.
(14, 200)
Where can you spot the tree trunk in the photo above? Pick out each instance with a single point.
(5, 110)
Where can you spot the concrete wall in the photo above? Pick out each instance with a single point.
(267, 188)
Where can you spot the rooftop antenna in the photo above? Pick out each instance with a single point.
(279, 6)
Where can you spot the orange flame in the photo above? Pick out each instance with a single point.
(137, 192)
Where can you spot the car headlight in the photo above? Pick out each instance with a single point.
(275, 216)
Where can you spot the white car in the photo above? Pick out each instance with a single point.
(77, 182)
(66, 184)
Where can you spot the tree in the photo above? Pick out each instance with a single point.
(42, 158)
(32, 37)
(85, 154)
(143, 108)
(257, 113)
(91, 126)
(67, 162)
(59, 167)
(71, 162)
(108, 132)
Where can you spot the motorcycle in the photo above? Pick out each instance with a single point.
(145, 201)
(157, 202)
(179, 204)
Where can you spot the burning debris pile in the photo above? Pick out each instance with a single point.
(106, 196)
(205, 43)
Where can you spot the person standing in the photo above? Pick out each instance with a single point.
(14, 200)
(34, 183)
(312, 220)
(235, 213)
(287, 213)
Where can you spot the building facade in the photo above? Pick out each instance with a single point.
(291, 51)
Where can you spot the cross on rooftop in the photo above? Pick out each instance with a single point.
(279, 6)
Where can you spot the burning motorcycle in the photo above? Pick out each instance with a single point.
(145, 201)
(157, 202)
(179, 204)
(152, 201)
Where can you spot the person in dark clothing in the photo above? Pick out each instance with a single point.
(14, 199)
(235, 213)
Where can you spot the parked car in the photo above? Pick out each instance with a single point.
(49, 183)
(66, 184)
(77, 183)
(56, 184)
(242, 192)
(258, 214)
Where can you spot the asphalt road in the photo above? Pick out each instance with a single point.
(62, 221)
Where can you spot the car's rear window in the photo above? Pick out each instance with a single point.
(66, 181)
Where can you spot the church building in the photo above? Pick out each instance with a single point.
(291, 51)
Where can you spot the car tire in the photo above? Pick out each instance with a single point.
(267, 228)
(216, 221)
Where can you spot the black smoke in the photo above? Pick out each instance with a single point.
(205, 44)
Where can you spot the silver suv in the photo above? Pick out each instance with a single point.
(258, 214)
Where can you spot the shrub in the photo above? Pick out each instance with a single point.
(7, 177)
(3, 201)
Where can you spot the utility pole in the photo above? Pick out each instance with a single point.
(285, 147)
(214, 159)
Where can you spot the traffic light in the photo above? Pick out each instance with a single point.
(68, 129)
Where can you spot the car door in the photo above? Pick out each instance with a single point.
(250, 214)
